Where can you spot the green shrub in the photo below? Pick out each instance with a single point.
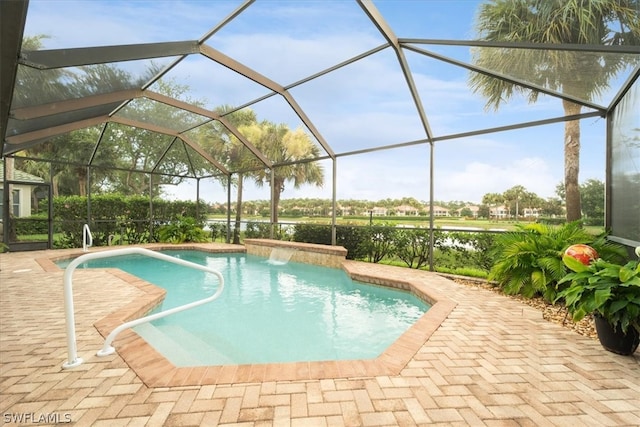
(353, 239)
(412, 246)
(130, 217)
(217, 229)
(35, 224)
(69, 215)
(312, 233)
(552, 221)
(182, 230)
(596, 222)
(469, 249)
(529, 261)
(133, 222)
(350, 237)
(378, 242)
(257, 230)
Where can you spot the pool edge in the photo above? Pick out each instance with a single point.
(154, 370)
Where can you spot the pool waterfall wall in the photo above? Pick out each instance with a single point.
(308, 253)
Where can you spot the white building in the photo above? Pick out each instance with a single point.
(21, 193)
(406, 210)
(499, 212)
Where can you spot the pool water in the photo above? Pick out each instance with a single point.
(267, 313)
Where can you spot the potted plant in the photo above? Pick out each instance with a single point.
(609, 291)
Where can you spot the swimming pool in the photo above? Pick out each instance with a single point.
(268, 313)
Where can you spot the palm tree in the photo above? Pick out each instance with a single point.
(288, 149)
(606, 22)
(224, 146)
(492, 200)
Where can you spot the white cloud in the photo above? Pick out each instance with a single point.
(80, 23)
(478, 179)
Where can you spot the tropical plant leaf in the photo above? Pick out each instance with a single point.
(573, 264)
(601, 296)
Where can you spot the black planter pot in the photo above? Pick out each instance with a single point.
(614, 340)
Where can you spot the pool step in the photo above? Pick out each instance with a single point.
(180, 346)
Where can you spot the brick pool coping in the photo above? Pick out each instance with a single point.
(156, 371)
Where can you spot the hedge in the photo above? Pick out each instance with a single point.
(130, 219)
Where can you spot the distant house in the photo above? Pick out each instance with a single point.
(440, 211)
(499, 212)
(344, 210)
(531, 212)
(406, 210)
(378, 211)
(22, 193)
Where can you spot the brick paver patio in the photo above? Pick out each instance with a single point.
(492, 361)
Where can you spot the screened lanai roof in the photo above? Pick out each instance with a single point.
(177, 75)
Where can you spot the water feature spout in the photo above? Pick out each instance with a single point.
(280, 256)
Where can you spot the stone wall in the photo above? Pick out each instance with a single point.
(309, 253)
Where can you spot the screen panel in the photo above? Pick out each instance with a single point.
(624, 206)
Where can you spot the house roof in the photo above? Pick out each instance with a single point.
(19, 175)
(406, 208)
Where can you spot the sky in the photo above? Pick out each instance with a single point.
(359, 107)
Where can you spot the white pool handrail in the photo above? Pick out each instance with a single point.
(87, 238)
(73, 359)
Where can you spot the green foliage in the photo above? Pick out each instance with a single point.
(609, 251)
(35, 224)
(130, 218)
(164, 210)
(470, 249)
(312, 233)
(412, 246)
(592, 201)
(379, 242)
(352, 238)
(257, 230)
(262, 230)
(529, 262)
(552, 221)
(133, 224)
(534, 21)
(182, 230)
(607, 289)
(217, 230)
(107, 212)
(69, 215)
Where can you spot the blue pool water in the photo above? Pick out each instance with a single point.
(267, 313)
